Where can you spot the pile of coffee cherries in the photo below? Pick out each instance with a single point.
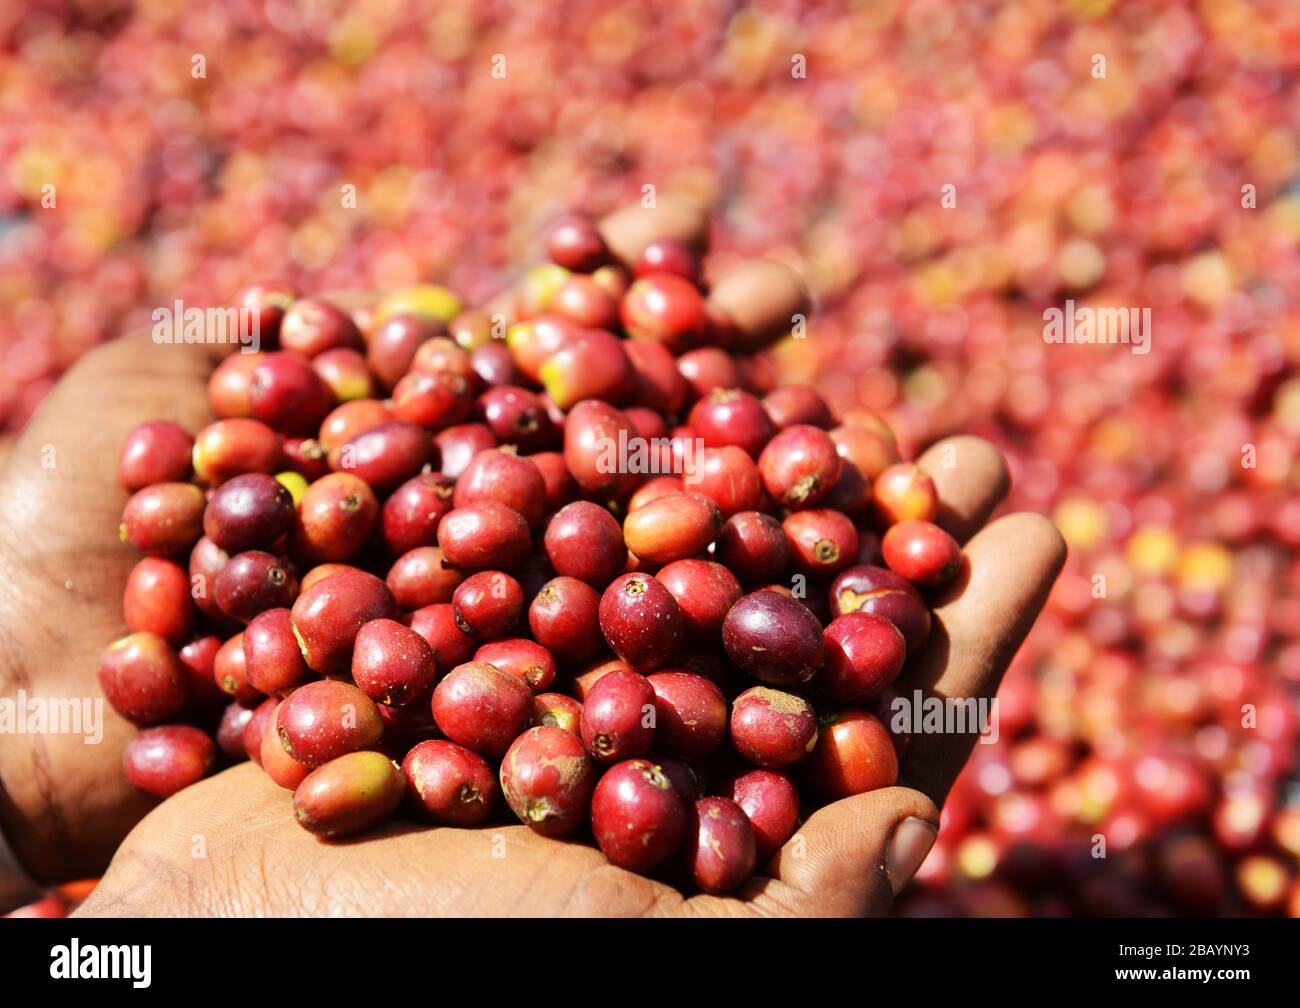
(597, 570)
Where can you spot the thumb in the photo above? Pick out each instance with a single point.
(857, 854)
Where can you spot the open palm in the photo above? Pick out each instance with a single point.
(230, 844)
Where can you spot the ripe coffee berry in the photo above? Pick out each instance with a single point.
(321, 721)
(547, 779)
(797, 404)
(158, 451)
(157, 599)
(641, 621)
(584, 541)
(637, 816)
(502, 476)
(922, 552)
(774, 638)
(253, 582)
(754, 547)
(666, 255)
(564, 619)
(336, 517)
(437, 625)
(230, 671)
(521, 658)
(619, 717)
(327, 616)
(558, 711)
(421, 577)
(853, 754)
(142, 679)
(273, 661)
(387, 455)
(731, 417)
(482, 708)
(248, 512)
(864, 654)
(704, 592)
(391, 663)
(450, 784)
(672, 527)
(773, 729)
(881, 592)
(515, 416)
(665, 308)
(487, 604)
(823, 542)
(575, 244)
(229, 448)
(691, 713)
(285, 393)
(730, 478)
(484, 535)
(720, 847)
(164, 760)
(163, 518)
(771, 804)
(799, 466)
(412, 512)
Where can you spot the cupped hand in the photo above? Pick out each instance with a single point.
(230, 844)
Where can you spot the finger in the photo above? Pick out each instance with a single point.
(979, 624)
(628, 230)
(762, 299)
(856, 854)
(971, 479)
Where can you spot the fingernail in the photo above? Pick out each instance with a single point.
(912, 841)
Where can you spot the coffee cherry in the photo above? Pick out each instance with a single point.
(902, 492)
(286, 393)
(790, 405)
(386, 455)
(575, 244)
(482, 708)
(799, 466)
(773, 729)
(157, 599)
(248, 512)
(563, 618)
(547, 779)
(158, 451)
(392, 664)
(691, 714)
(704, 591)
(142, 679)
(252, 582)
(328, 615)
(336, 518)
(558, 711)
(719, 847)
(618, 717)
(229, 448)
(163, 518)
(521, 658)
(311, 326)
(451, 646)
(421, 577)
(449, 784)
(502, 476)
(165, 760)
(864, 654)
(349, 794)
(666, 308)
(484, 535)
(321, 721)
(754, 547)
(854, 754)
(641, 621)
(666, 255)
(731, 417)
(823, 542)
(771, 804)
(273, 662)
(672, 527)
(584, 541)
(881, 592)
(637, 816)
(922, 552)
(774, 638)
(488, 604)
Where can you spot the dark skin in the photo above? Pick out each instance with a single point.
(229, 845)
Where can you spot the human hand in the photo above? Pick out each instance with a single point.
(850, 858)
